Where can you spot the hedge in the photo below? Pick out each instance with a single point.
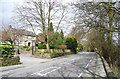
(27, 48)
(6, 51)
(43, 46)
(10, 61)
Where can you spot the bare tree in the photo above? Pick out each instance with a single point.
(38, 14)
(9, 35)
(103, 17)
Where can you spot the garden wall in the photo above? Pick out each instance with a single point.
(52, 53)
(9, 61)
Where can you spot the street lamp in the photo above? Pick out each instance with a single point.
(32, 48)
(18, 51)
(18, 47)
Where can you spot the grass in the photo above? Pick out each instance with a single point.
(116, 71)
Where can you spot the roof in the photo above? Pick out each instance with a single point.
(23, 32)
(40, 37)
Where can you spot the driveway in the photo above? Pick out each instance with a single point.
(29, 60)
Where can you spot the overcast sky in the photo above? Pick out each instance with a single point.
(6, 10)
(7, 7)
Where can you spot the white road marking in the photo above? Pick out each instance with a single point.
(39, 73)
(64, 63)
(89, 63)
(73, 59)
(80, 74)
(56, 68)
(85, 67)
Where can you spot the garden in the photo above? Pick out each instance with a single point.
(68, 46)
(7, 55)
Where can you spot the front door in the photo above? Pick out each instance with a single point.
(29, 43)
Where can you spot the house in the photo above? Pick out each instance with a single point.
(25, 38)
(20, 37)
(40, 38)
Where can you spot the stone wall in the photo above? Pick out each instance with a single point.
(52, 53)
(9, 61)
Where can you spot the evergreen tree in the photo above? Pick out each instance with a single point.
(62, 34)
(50, 28)
(71, 43)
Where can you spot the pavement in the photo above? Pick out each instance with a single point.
(83, 64)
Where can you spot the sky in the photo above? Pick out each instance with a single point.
(6, 10)
(7, 7)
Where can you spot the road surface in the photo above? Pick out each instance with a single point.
(76, 65)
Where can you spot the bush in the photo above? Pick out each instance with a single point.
(53, 47)
(52, 53)
(58, 54)
(41, 46)
(10, 61)
(6, 51)
(71, 43)
(45, 52)
(62, 46)
(25, 48)
(79, 48)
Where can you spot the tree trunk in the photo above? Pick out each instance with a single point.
(12, 44)
(102, 59)
(46, 41)
(110, 15)
(35, 46)
(47, 45)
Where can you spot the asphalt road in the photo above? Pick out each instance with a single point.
(66, 66)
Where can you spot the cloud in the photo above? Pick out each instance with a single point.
(6, 10)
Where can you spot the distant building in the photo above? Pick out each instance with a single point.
(25, 38)
(22, 37)
(40, 38)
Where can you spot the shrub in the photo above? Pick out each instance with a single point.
(45, 52)
(62, 46)
(79, 48)
(10, 61)
(25, 48)
(53, 55)
(53, 47)
(6, 51)
(41, 46)
(71, 43)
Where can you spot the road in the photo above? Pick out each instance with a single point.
(76, 65)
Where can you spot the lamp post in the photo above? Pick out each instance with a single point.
(18, 47)
(18, 51)
(32, 48)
